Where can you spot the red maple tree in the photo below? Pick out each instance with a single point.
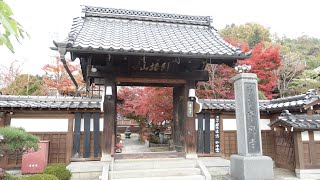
(220, 85)
(56, 77)
(152, 103)
(265, 61)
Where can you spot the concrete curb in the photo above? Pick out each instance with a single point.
(204, 170)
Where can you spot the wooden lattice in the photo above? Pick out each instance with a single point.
(284, 144)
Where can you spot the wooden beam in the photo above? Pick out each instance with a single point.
(190, 136)
(109, 107)
(2, 118)
(200, 133)
(309, 111)
(197, 75)
(76, 135)
(147, 84)
(86, 136)
(7, 120)
(96, 134)
(314, 103)
(298, 150)
(69, 139)
(150, 80)
(178, 122)
(312, 149)
(207, 133)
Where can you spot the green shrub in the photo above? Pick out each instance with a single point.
(10, 177)
(154, 139)
(39, 177)
(16, 141)
(59, 170)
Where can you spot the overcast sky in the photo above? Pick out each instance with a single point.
(46, 20)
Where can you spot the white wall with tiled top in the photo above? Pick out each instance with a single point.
(231, 124)
(316, 135)
(48, 125)
(41, 124)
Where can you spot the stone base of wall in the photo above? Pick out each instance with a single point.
(308, 173)
(87, 170)
(86, 175)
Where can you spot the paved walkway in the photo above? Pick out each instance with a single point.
(133, 144)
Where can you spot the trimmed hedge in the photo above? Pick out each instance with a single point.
(58, 170)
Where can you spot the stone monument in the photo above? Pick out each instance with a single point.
(248, 164)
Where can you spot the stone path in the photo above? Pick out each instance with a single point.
(133, 144)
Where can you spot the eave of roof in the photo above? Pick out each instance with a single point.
(120, 31)
(49, 102)
(293, 102)
(297, 122)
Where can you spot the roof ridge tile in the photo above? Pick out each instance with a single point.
(91, 11)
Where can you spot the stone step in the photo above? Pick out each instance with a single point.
(164, 172)
(193, 177)
(153, 164)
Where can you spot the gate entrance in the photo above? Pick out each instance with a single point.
(119, 47)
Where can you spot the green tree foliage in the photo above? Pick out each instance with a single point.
(309, 79)
(25, 84)
(301, 72)
(308, 47)
(9, 27)
(250, 33)
(16, 141)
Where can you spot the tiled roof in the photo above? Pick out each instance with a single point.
(138, 32)
(48, 102)
(293, 102)
(227, 104)
(298, 121)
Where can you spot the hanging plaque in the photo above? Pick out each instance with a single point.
(190, 109)
(217, 133)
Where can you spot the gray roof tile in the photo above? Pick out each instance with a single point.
(51, 102)
(292, 102)
(301, 121)
(120, 30)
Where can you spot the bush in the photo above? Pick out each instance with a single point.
(154, 139)
(40, 177)
(10, 177)
(16, 141)
(59, 170)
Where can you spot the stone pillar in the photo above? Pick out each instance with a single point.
(248, 164)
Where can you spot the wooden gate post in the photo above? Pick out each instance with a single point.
(2, 118)
(190, 129)
(179, 121)
(109, 114)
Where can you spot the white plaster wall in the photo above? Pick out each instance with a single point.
(211, 124)
(91, 124)
(305, 136)
(41, 124)
(231, 124)
(316, 135)
(264, 124)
